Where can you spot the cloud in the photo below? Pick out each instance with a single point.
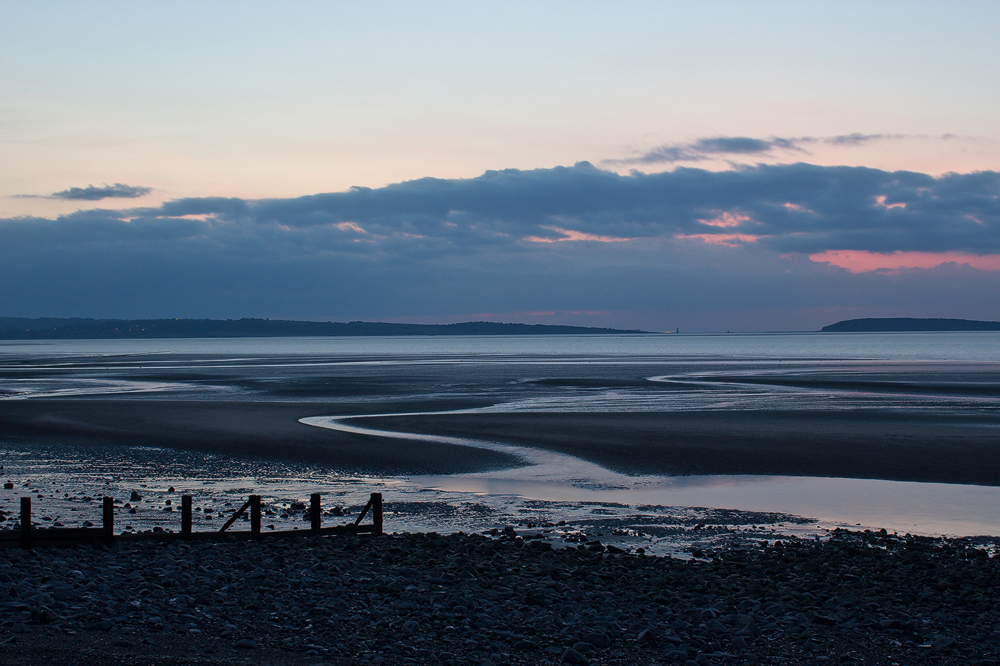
(91, 193)
(714, 147)
(567, 239)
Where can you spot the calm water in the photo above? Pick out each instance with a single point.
(973, 346)
(954, 373)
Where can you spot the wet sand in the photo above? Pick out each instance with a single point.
(834, 444)
(241, 430)
(860, 445)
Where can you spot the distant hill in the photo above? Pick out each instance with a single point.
(899, 324)
(16, 328)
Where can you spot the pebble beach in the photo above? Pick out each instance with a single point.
(856, 597)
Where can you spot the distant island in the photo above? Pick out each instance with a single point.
(902, 324)
(18, 328)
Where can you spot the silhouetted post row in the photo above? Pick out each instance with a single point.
(29, 536)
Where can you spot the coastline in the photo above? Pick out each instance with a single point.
(952, 449)
(264, 430)
(848, 444)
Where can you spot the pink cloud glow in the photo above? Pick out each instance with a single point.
(729, 240)
(880, 201)
(863, 262)
(797, 208)
(350, 226)
(571, 235)
(727, 220)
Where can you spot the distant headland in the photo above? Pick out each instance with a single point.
(903, 324)
(18, 328)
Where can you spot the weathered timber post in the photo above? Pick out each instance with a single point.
(186, 517)
(377, 513)
(314, 508)
(109, 519)
(25, 522)
(255, 515)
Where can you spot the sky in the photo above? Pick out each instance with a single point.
(706, 166)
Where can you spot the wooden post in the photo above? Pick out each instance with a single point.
(255, 515)
(109, 519)
(186, 517)
(377, 513)
(25, 522)
(314, 508)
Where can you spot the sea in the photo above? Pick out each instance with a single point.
(567, 498)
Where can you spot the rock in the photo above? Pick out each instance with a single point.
(525, 645)
(246, 644)
(536, 598)
(103, 625)
(136, 497)
(717, 627)
(646, 636)
(411, 627)
(944, 643)
(42, 616)
(598, 639)
(571, 656)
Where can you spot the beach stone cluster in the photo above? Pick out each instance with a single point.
(855, 598)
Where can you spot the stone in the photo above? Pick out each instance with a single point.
(42, 615)
(598, 639)
(103, 625)
(246, 644)
(944, 643)
(411, 627)
(571, 656)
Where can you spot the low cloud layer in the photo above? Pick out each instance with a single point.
(661, 250)
(91, 193)
(721, 147)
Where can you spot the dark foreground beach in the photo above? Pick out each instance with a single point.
(855, 444)
(857, 598)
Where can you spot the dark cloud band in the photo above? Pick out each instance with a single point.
(578, 238)
(91, 193)
(721, 146)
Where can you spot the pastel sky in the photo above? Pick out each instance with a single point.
(708, 166)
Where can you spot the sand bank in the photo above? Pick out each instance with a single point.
(839, 444)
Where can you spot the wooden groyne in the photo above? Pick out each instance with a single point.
(28, 536)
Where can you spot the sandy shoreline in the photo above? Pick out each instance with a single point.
(861, 445)
(831, 444)
(238, 429)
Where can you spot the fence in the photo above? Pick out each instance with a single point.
(30, 536)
